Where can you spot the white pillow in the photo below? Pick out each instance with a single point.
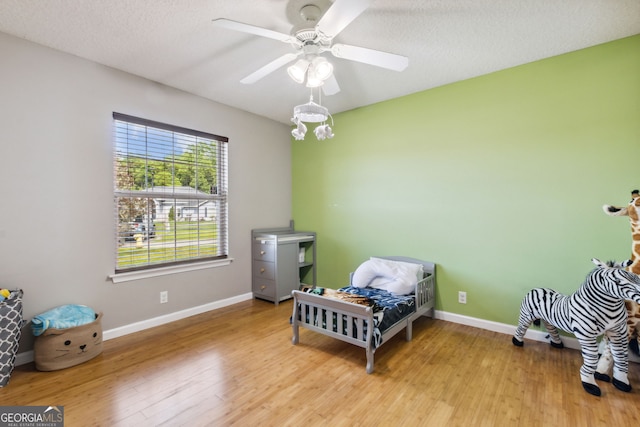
(364, 274)
(393, 276)
(403, 268)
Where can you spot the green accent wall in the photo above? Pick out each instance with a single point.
(499, 179)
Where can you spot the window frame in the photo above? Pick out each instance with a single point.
(218, 195)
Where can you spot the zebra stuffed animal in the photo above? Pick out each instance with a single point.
(597, 307)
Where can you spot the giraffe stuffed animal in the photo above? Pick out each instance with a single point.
(632, 210)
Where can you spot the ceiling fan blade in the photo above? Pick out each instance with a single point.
(339, 15)
(269, 68)
(330, 86)
(252, 29)
(390, 61)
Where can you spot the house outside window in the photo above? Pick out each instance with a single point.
(170, 194)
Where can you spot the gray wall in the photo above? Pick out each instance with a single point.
(57, 221)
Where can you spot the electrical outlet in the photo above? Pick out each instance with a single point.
(164, 297)
(462, 297)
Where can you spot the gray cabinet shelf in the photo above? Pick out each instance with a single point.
(282, 259)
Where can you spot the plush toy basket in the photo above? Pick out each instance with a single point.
(10, 329)
(60, 348)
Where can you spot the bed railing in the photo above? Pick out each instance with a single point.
(348, 322)
(329, 317)
(425, 292)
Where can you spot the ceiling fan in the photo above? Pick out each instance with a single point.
(314, 36)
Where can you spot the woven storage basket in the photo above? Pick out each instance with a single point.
(10, 329)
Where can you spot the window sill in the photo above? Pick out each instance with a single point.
(163, 271)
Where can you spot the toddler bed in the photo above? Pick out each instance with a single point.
(386, 294)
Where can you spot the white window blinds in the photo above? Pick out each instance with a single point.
(170, 188)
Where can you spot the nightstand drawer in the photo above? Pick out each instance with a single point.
(264, 270)
(264, 288)
(264, 250)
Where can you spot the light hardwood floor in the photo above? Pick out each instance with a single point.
(237, 366)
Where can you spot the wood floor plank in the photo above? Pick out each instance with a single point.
(237, 366)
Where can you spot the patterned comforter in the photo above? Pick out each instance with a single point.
(388, 308)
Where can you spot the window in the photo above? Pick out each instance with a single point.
(170, 188)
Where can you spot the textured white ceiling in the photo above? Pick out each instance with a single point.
(174, 42)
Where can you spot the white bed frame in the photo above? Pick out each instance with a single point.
(305, 304)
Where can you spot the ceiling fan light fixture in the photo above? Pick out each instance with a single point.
(298, 70)
(315, 24)
(313, 81)
(322, 69)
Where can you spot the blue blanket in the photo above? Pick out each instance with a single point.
(63, 317)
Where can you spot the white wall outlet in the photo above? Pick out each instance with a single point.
(164, 297)
(462, 297)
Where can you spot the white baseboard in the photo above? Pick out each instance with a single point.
(532, 334)
(27, 356)
(172, 317)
